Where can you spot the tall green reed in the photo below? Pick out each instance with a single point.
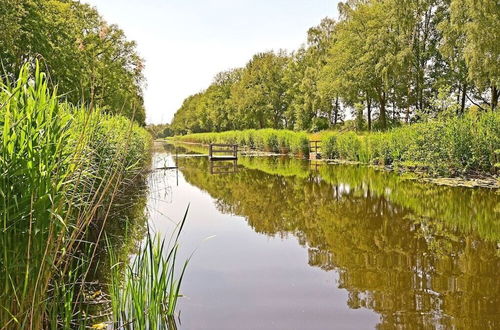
(272, 140)
(61, 167)
(144, 292)
(452, 145)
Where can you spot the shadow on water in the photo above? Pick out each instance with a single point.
(419, 255)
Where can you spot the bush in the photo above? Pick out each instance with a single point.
(320, 124)
(329, 145)
(349, 146)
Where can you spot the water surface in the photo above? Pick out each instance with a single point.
(285, 244)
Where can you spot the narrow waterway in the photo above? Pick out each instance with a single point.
(281, 243)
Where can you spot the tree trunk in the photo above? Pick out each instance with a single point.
(383, 117)
(369, 113)
(462, 103)
(408, 105)
(495, 93)
(336, 111)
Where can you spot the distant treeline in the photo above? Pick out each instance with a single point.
(385, 62)
(90, 61)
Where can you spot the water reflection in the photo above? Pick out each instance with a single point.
(421, 256)
(223, 166)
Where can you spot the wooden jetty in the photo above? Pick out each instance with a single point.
(222, 151)
(315, 149)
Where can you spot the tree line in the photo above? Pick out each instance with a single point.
(91, 61)
(383, 63)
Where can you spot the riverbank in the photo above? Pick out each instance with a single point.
(62, 167)
(415, 173)
(463, 148)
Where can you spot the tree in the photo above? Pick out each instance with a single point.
(89, 60)
(258, 97)
(472, 31)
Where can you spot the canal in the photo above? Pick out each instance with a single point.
(280, 243)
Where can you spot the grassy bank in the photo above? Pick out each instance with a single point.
(272, 140)
(62, 166)
(452, 146)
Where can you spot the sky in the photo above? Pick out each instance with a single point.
(186, 42)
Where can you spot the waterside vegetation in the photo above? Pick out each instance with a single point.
(61, 167)
(454, 146)
(72, 150)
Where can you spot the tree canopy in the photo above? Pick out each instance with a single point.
(90, 61)
(382, 63)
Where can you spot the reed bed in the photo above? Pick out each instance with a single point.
(61, 168)
(446, 146)
(271, 140)
(452, 146)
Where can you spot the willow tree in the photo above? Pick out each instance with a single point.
(472, 30)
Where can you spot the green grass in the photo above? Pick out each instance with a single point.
(61, 168)
(450, 146)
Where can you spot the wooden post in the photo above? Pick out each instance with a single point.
(314, 150)
(210, 151)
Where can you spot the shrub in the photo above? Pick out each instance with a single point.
(329, 145)
(349, 146)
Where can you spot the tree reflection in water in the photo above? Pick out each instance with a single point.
(420, 255)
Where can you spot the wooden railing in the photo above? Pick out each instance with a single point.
(225, 151)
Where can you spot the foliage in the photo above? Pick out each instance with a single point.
(382, 62)
(159, 131)
(90, 61)
(61, 168)
(451, 145)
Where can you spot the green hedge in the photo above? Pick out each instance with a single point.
(452, 145)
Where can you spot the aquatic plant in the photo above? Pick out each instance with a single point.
(144, 292)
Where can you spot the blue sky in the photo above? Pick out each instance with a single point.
(186, 42)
